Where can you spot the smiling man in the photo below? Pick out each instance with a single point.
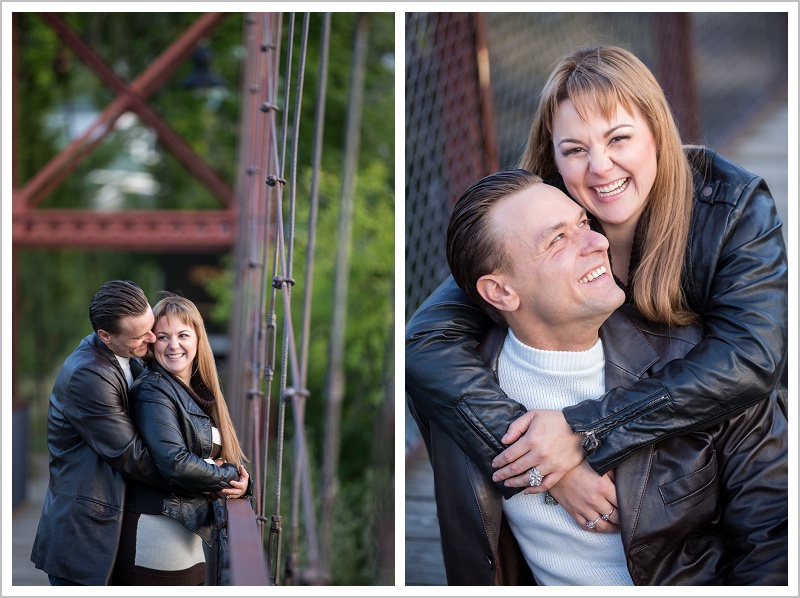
(92, 441)
(706, 508)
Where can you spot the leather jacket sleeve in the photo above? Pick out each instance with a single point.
(159, 421)
(106, 426)
(447, 380)
(738, 285)
(743, 305)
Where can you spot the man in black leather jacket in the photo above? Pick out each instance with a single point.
(93, 443)
(736, 227)
(709, 507)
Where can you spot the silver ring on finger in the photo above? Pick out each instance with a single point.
(591, 524)
(534, 477)
(607, 515)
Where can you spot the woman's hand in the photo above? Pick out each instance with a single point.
(541, 438)
(587, 497)
(238, 487)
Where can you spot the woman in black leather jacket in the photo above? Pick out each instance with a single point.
(692, 237)
(179, 409)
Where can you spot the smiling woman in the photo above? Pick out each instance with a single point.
(179, 409)
(608, 164)
(175, 347)
(604, 103)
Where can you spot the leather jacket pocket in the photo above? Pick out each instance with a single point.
(98, 507)
(698, 486)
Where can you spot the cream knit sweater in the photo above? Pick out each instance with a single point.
(558, 551)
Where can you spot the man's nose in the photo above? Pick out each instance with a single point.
(594, 241)
(150, 338)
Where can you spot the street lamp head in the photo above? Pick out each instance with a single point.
(202, 77)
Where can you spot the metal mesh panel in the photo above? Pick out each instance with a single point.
(424, 258)
(717, 69)
(444, 136)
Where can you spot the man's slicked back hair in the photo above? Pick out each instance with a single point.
(474, 249)
(115, 300)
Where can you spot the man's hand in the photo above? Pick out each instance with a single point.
(541, 438)
(587, 496)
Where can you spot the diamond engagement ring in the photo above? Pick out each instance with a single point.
(534, 477)
(591, 524)
(607, 515)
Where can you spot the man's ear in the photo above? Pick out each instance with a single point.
(104, 336)
(495, 291)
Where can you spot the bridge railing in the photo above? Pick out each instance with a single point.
(237, 555)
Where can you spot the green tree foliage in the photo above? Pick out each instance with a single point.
(53, 287)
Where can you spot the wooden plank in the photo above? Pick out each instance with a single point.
(424, 564)
(424, 561)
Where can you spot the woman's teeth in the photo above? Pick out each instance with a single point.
(612, 189)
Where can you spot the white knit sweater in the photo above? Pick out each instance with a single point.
(558, 551)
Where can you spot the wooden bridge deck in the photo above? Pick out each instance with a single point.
(24, 521)
(424, 564)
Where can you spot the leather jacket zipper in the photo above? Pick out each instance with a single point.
(591, 439)
(589, 442)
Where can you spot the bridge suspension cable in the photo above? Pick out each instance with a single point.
(261, 292)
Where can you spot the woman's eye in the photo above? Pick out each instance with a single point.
(572, 151)
(620, 138)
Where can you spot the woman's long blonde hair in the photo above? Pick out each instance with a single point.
(600, 79)
(205, 367)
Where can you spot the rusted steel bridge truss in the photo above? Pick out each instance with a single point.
(135, 230)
